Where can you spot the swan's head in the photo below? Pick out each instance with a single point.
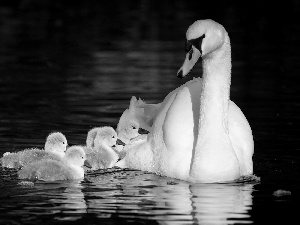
(91, 137)
(130, 129)
(202, 38)
(56, 143)
(76, 155)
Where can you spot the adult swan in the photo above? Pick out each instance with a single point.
(198, 134)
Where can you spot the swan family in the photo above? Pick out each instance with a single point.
(196, 134)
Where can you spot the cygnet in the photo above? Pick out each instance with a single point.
(68, 168)
(103, 155)
(55, 148)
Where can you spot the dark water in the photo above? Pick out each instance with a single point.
(72, 67)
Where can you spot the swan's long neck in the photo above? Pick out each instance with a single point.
(214, 157)
(216, 90)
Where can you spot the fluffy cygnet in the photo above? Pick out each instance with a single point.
(129, 130)
(131, 134)
(55, 148)
(103, 155)
(56, 143)
(68, 168)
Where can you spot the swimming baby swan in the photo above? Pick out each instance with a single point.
(103, 155)
(56, 143)
(91, 135)
(139, 114)
(55, 148)
(68, 168)
(134, 123)
(129, 130)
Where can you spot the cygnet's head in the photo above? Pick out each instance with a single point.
(130, 129)
(75, 155)
(106, 136)
(91, 137)
(56, 143)
(202, 38)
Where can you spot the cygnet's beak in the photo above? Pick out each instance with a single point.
(87, 164)
(119, 142)
(143, 131)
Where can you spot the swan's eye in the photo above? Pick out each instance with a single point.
(133, 127)
(197, 43)
(188, 46)
(191, 54)
(113, 136)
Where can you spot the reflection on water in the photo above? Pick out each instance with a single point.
(167, 200)
(124, 195)
(63, 200)
(225, 204)
(69, 68)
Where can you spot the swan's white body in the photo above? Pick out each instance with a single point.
(198, 134)
(68, 168)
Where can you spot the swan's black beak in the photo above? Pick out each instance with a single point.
(87, 164)
(179, 74)
(119, 142)
(143, 131)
